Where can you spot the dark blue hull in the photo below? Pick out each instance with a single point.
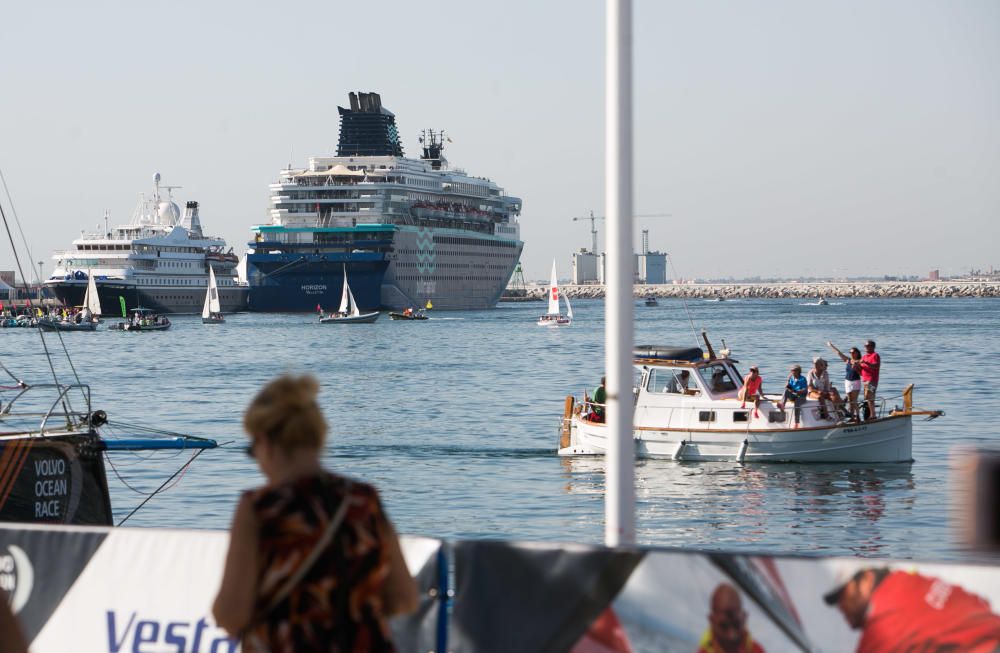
(300, 282)
(180, 299)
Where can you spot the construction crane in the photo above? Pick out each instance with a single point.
(594, 218)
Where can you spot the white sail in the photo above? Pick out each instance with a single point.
(569, 309)
(354, 305)
(206, 310)
(92, 300)
(553, 292)
(215, 305)
(345, 296)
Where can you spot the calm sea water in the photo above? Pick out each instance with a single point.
(455, 420)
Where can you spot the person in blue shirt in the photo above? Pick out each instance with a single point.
(796, 391)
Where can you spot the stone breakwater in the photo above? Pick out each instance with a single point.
(791, 290)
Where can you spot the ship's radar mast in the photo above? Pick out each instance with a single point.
(432, 143)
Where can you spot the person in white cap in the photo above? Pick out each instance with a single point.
(904, 611)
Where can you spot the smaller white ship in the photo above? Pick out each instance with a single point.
(554, 317)
(687, 407)
(160, 260)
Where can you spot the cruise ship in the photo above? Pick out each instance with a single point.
(159, 260)
(409, 232)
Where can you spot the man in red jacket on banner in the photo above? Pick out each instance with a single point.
(903, 611)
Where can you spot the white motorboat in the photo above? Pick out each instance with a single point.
(348, 313)
(687, 408)
(211, 312)
(554, 317)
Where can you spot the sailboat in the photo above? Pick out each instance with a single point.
(348, 313)
(554, 317)
(211, 313)
(85, 319)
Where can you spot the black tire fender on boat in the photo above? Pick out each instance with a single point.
(666, 352)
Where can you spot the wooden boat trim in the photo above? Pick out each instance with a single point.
(839, 425)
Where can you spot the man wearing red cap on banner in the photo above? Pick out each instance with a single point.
(902, 611)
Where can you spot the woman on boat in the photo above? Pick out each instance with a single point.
(314, 563)
(820, 387)
(852, 378)
(752, 389)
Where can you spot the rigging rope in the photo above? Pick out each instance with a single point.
(687, 310)
(67, 404)
(163, 486)
(17, 261)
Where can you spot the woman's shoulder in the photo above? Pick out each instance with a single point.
(323, 483)
(348, 483)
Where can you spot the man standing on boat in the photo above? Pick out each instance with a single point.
(871, 364)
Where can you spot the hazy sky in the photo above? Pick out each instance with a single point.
(785, 137)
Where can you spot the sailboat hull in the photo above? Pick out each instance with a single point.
(364, 318)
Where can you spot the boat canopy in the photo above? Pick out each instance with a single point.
(669, 353)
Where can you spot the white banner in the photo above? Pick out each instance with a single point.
(140, 590)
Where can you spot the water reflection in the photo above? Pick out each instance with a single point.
(836, 509)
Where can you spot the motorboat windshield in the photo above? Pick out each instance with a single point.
(672, 380)
(720, 378)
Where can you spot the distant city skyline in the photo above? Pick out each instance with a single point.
(785, 139)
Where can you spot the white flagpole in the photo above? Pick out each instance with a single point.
(619, 502)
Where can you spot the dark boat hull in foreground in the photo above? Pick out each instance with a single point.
(54, 479)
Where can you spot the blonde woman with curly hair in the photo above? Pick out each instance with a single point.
(314, 563)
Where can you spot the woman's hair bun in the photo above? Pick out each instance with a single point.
(286, 413)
